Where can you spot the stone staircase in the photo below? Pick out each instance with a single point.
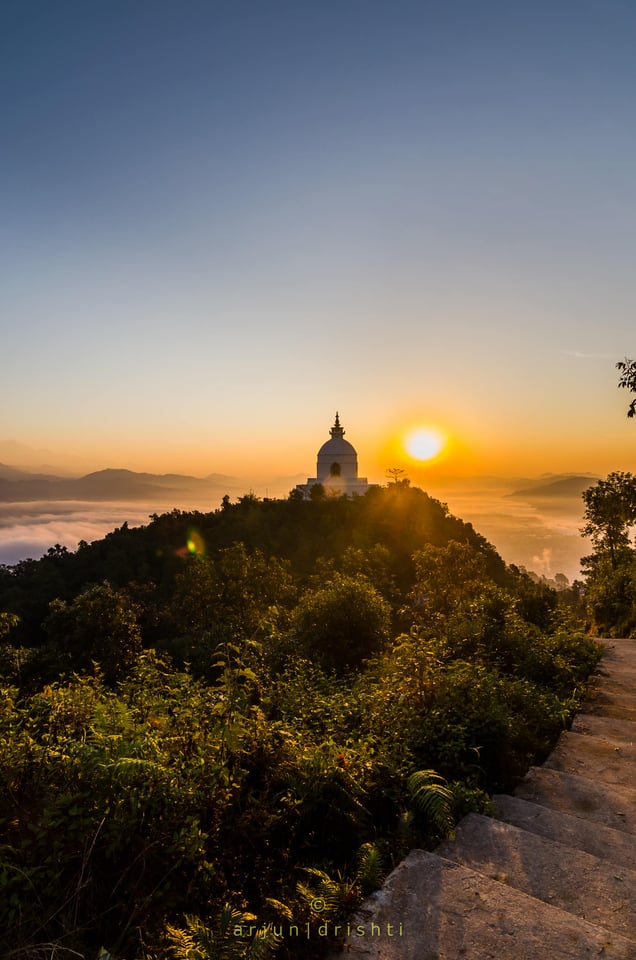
(552, 876)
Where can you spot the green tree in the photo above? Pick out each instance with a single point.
(238, 590)
(343, 623)
(627, 380)
(7, 622)
(446, 577)
(610, 571)
(611, 597)
(610, 511)
(99, 625)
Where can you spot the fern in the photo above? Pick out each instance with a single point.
(322, 896)
(281, 908)
(432, 800)
(201, 942)
(264, 945)
(326, 897)
(182, 942)
(370, 870)
(230, 918)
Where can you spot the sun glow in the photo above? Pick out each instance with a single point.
(424, 443)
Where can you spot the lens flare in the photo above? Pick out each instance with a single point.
(424, 443)
(195, 543)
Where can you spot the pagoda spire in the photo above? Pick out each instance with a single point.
(336, 431)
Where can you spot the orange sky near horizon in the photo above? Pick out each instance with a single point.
(257, 455)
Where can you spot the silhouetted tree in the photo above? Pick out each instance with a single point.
(627, 380)
(395, 474)
(317, 492)
(610, 510)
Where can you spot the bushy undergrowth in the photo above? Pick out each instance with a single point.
(170, 796)
(266, 768)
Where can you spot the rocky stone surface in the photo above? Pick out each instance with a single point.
(587, 835)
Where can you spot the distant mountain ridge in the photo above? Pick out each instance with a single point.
(20, 473)
(562, 487)
(19, 486)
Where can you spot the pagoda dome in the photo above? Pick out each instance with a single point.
(337, 447)
(337, 457)
(337, 468)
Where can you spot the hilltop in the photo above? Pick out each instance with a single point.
(399, 519)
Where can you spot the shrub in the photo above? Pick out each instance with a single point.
(342, 624)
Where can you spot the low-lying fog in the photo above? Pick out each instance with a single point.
(29, 529)
(542, 535)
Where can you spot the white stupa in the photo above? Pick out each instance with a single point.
(337, 467)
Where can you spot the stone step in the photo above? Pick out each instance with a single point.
(597, 758)
(624, 657)
(620, 683)
(618, 680)
(586, 886)
(610, 805)
(618, 643)
(439, 910)
(616, 664)
(619, 674)
(611, 705)
(612, 728)
(614, 671)
(617, 659)
(594, 838)
(619, 651)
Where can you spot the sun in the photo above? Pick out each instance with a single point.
(424, 443)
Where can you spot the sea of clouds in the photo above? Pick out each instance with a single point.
(28, 530)
(544, 538)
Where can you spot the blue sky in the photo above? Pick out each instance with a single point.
(224, 221)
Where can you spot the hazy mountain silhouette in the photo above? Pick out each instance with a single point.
(562, 487)
(20, 473)
(17, 486)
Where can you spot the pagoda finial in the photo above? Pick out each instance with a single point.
(336, 431)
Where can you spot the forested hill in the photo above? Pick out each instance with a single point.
(383, 529)
(221, 728)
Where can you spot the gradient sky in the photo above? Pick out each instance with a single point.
(222, 221)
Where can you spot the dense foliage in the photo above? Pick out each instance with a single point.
(218, 732)
(610, 516)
